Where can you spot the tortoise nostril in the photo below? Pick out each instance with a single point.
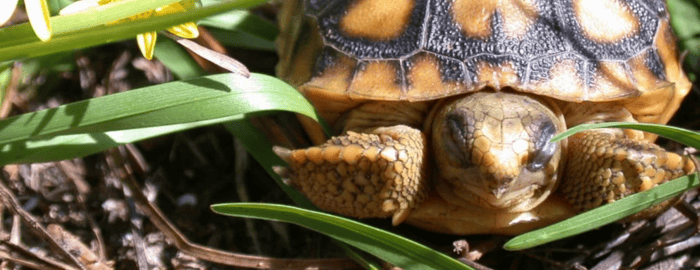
(499, 192)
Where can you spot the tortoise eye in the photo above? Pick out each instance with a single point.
(544, 149)
(456, 142)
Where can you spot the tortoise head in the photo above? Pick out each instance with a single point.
(493, 150)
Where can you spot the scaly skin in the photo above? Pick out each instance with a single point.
(491, 163)
(604, 168)
(379, 174)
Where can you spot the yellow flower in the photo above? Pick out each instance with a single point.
(147, 41)
(7, 8)
(38, 13)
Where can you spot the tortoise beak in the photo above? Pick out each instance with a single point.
(498, 193)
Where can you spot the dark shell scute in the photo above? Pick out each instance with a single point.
(361, 48)
(314, 7)
(474, 64)
(653, 62)
(327, 59)
(551, 36)
(452, 70)
(656, 7)
(540, 67)
(621, 50)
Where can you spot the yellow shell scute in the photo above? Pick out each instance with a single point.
(475, 16)
(377, 19)
(605, 21)
(377, 79)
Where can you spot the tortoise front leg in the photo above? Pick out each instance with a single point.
(604, 167)
(381, 173)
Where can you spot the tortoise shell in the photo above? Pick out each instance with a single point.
(417, 50)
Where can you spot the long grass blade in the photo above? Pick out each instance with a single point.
(622, 208)
(93, 125)
(395, 249)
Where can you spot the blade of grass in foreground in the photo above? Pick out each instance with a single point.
(18, 42)
(603, 215)
(617, 210)
(241, 28)
(680, 135)
(90, 126)
(395, 249)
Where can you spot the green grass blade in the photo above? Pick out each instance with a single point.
(603, 215)
(243, 29)
(680, 135)
(170, 107)
(177, 60)
(242, 39)
(619, 209)
(104, 14)
(243, 20)
(17, 42)
(5, 76)
(57, 5)
(79, 145)
(395, 249)
(75, 22)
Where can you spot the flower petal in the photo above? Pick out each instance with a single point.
(7, 8)
(147, 44)
(38, 13)
(169, 9)
(185, 30)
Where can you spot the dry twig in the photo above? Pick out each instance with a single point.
(159, 220)
(9, 200)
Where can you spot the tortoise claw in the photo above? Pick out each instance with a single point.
(284, 173)
(400, 216)
(282, 152)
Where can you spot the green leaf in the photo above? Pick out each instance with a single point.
(680, 135)
(100, 15)
(685, 19)
(93, 125)
(17, 42)
(240, 28)
(177, 60)
(619, 209)
(105, 14)
(603, 215)
(57, 5)
(242, 39)
(395, 249)
(244, 21)
(5, 75)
